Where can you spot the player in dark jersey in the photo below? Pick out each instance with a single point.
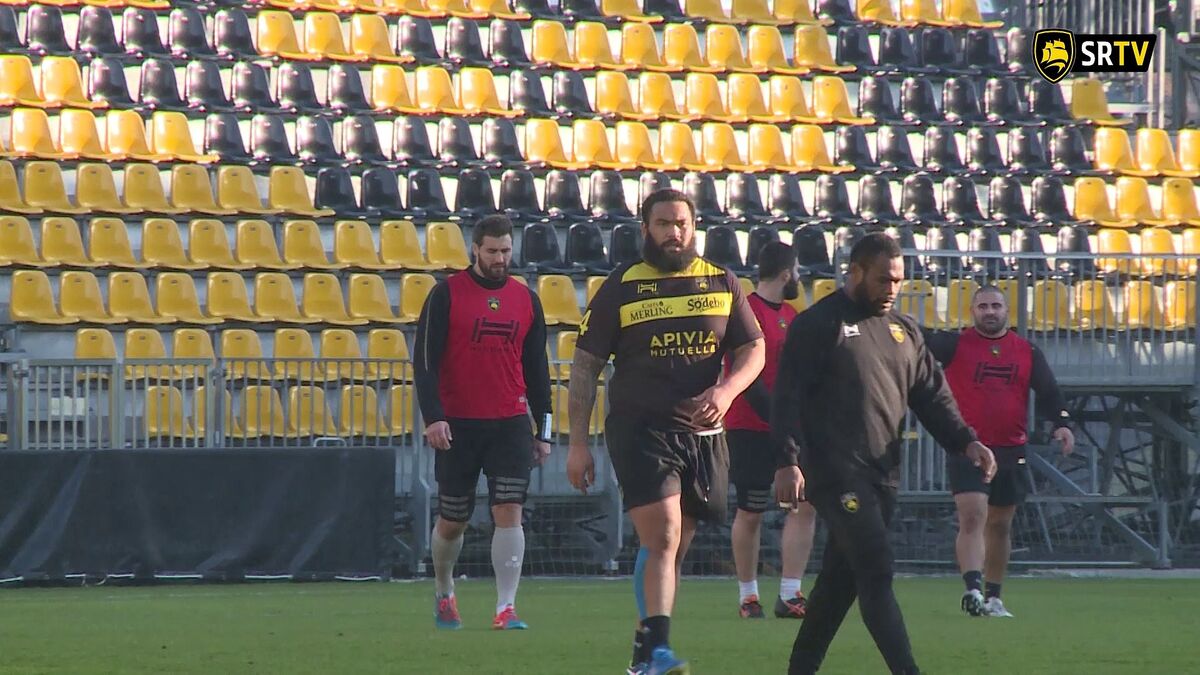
(752, 459)
(668, 321)
(481, 368)
(851, 369)
(991, 370)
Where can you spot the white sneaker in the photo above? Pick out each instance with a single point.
(995, 607)
(972, 603)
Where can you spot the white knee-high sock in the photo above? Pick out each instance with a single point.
(508, 555)
(445, 554)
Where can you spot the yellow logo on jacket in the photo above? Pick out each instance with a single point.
(897, 332)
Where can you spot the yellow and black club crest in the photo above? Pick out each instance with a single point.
(702, 283)
(850, 502)
(783, 324)
(494, 304)
(1054, 53)
(897, 332)
(996, 351)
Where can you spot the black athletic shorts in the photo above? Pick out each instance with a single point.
(1009, 486)
(752, 465)
(502, 449)
(652, 465)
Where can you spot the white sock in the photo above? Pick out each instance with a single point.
(508, 554)
(445, 554)
(747, 589)
(788, 588)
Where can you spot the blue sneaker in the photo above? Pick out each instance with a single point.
(445, 613)
(664, 662)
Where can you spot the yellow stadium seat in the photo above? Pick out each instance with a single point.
(1191, 251)
(231, 425)
(322, 300)
(766, 53)
(191, 190)
(822, 288)
(720, 150)
(1179, 202)
(79, 297)
(800, 302)
(62, 244)
(208, 245)
(79, 137)
(593, 286)
(414, 289)
(550, 47)
(369, 40)
(19, 246)
(557, 293)
(812, 51)
(592, 49)
(560, 366)
(710, 11)
(924, 12)
(561, 403)
(788, 101)
(192, 344)
(401, 404)
(45, 189)
(677, 148)
(95, 344)
(96, 190)
(746, 101)
(126, 137)
(1188, 150)
(498, 9)
(1090, 104)
(459, 8)
(256, 246)
(681, 49)
(389, 358)
(809, 152)
(275, 298)
(959, 294)
(445, 246)
(145, 344)
(162, 246)
(341, 343)
(634, 147)
(129, 297)
(171, 138)
(108, 242)
(1133, 202)
(477, 94)
(177, 299)
(1114, 154)
(369, 300)
(295, 357)
(389, 90)
(354, 247)
(435, 92)
(323, 38)
(237, 191)
(590, 145)
(1115, 242)
(144, 190)
(656, 97)
(746, 285)
(358, 412)
(419, 8)
(276, 37)
(242, 352)
(1093, 307)
(1051, 306)
(723, 50)
(966, 13)
(302, 246)
(1011, 288)
(29, 135)
(1092, 203)
(17, 86)
(1143, 307)
(543, 145)
(766, 150)
(704, 100)
(1155, 154)
(11, 198)
(1157, 253)
(400, 247)
(627, 10)
(32, 300)
(1181, 305)
(164, 413)
(639, 48)
(880, 12)
(613, 98)
(788, 12)
(755, 12)
(289, 193)
(228, 299)
(262, 412)
(831, 102)
(917, 300)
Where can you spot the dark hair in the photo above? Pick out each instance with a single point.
(989, 288)
(491, 226)
(663, 196)
(870, 247)
(774, 258)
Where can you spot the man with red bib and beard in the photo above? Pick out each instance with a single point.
(991, 371)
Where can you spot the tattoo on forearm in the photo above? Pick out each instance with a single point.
(585, 370)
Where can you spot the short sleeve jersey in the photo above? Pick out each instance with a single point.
(668, 333)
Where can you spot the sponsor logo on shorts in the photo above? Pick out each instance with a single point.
(850, 502)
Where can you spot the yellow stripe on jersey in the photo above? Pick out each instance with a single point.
(653, 309)
(699, 268)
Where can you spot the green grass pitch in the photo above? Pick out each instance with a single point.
(1087, 626)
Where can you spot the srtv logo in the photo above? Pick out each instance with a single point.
(1057, 53)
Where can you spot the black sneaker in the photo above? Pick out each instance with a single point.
(972, 603)
(792, 608)
(751, 609)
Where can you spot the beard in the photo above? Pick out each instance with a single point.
(991, 327)
(791, 290)
(668, 261)
(874, 307)
(494, 272)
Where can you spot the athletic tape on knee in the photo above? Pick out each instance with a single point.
(639, 581)
(457, 509)
(503, 490)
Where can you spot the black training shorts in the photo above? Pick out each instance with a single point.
(1010, 485)
(652, 465)
(752, 465)
(500, 448)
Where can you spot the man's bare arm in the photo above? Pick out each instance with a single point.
(585, 371)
